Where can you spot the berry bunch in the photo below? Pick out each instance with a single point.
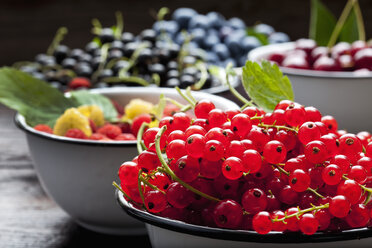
(287, 170)
(341, 57)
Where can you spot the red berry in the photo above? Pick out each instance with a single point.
(176, 149)
(241, 124)
(351, 190)
(228, 214)
(213, 150)
(195, 145)
(75, 133)
(155, 201)
(339, 206)
(295, 115)
(202, 108)
(308, 224)
(232, 168)
(316, 152)
(332, 174)
(262, 223)
(179, 196)
(128, 173)
(274, 152)
(358, 216)
(187, 168)
(254, 200)
(43, 128)
(252, 161)
(79, 82)
(299, 180)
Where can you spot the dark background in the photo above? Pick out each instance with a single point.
(28, 26)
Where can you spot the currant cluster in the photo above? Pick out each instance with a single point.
(287, 170)
(341, 57)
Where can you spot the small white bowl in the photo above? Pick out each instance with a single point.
(344, 95)
(167, 233)
(78, 174)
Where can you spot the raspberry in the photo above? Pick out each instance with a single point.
(43, 128)
(79, 82)
(98, 136)
(75, 134)
(110, 130)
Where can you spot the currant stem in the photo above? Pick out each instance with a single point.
(140, 145)
(229, 72)
(278, 127)
(171, 173)
(366, 189)
(185, 97)
(150, 185)
(301, 212)
(125, 194)
(203, 76)
(281, 170)
(315, 192)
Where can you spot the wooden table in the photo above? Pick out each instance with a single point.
(28, 217)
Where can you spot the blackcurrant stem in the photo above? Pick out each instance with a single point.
(132, 61)
(185, 97)
(104, 53)
(140, 145)
(203, 75)
(125, 194)
(61, 32)
(301, 212)
(171, 173)
(233, 90)
(119, 24)
(278, 127)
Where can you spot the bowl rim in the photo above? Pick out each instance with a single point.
(257, 53)
(239, 235)
(20, 121)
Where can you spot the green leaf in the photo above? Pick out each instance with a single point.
(261, 37)
(266, 85)
(36, 100)
(84, 97)
(322, 23)
(350, 31)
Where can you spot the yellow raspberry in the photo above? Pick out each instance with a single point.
(94, 113)
(136, 107)
(72, 118)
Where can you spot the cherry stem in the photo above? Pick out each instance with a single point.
(171, 173)
(140, 145)
(340, 23)
(301, 212)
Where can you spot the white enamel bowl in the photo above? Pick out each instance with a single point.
(167, 233)
(344, 95)
(78, 174)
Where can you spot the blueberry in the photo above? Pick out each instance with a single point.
(91, 47)
(127, 37)
(233, 42)
(157, 68)
(180, 38)
(225, 31)
(57, 85)
(242, 60)
(44, 59)
(250, 42)
(145, 56)
(183, 15)
(96, 61)
(227, 61)
(163, 55)
(199, 21)
(210, 41)
(106, 35)
(192, 71)
(186, 80)
(198, 35)
(278, 37)
(216, 20)
(221, 51)
(264, 29)
(212, 58)
(129, 48)
(236, 23)
(170, 27)
(189, 60)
